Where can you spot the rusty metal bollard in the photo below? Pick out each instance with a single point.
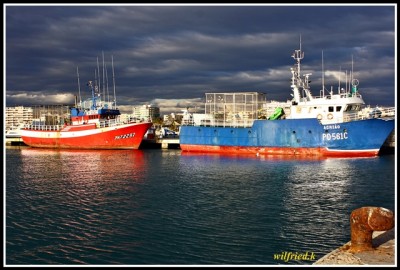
(365, 220)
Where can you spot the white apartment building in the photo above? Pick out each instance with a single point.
(146, 112)
(17, 115)
(173, 117)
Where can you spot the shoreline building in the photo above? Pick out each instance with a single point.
(146, 112)
(15, 116)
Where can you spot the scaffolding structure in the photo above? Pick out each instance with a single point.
(234, 109)
(50, 114)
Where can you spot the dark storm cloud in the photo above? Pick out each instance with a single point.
(170, 55)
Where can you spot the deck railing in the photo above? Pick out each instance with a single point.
(44, 127)
(388, 112)
(100, 124)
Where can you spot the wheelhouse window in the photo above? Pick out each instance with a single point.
(354, 107)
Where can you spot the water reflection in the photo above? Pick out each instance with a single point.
(67, 204)
(302, 201)
(253, 156)
(168, 207)
(319, 197)
(84, 165)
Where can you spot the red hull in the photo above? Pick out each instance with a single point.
(321, 152)
(127, 136)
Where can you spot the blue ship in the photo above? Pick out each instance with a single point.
(333, 124)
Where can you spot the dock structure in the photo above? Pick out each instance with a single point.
(14, 141)
(168, 143)
(163, 143)
(382, 254)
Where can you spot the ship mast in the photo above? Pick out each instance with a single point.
(98, 74)
(297, 82)
(112, 66)
(323, 75)
(352, 67)
(104, 83)
(79, 87)
(90, 85)
(340, 72)
(354, 82)
(108, 94)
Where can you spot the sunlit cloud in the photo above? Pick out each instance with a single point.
(40, 98)
(163, 54)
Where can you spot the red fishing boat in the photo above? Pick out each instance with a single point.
(91, 124)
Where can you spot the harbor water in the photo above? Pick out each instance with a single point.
(165, 207)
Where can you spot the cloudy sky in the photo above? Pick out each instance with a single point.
(171, 55)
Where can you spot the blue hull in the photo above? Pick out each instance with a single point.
(291, 136)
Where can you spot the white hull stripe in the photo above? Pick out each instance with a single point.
(67, 134)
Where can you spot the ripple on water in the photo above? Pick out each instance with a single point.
(162, 207)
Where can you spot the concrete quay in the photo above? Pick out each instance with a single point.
(160, 143)
(384, 252)
(14, 142)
